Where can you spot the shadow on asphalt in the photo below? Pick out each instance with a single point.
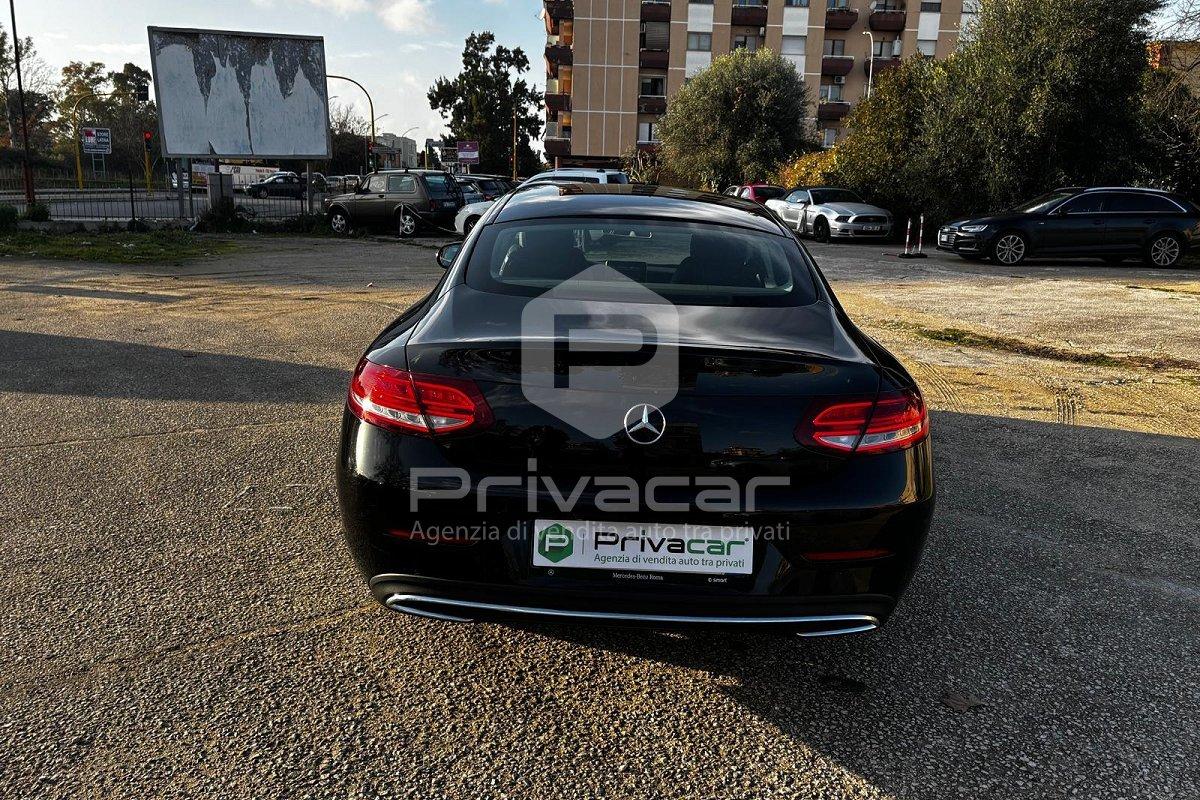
(69, 365)
(1059, 591)
(99, 294)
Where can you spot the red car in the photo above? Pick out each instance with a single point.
(758, 192)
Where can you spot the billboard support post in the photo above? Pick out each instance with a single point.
(179, 183)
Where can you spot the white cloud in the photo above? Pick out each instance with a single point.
(407, 16)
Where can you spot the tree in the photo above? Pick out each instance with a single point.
(478, 104)
(880, 156)
(107, 99)
(1171, 132)
(738, 120)
(38, 82)
(1043, 93)
(348, 140)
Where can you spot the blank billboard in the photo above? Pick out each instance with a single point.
(240, 95)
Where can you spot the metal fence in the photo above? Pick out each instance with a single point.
(120, 198)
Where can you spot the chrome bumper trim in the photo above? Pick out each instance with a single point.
(404, 603)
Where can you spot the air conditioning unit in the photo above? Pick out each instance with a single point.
(839, 79)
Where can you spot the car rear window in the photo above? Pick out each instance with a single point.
(441, 186)
(1131, 202)
(686, 263)
(771, 192)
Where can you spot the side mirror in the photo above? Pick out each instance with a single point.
(447, 254)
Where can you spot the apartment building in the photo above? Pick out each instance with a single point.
(612, 66)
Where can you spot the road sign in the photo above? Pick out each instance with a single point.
(468, 152)
(97, 141)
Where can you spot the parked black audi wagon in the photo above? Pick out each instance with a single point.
(1111, 223)
(787, 484)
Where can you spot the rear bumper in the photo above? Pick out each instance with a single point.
(458, 601)
(489, 574)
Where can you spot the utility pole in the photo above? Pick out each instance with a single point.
(30, 195)
(514, 146)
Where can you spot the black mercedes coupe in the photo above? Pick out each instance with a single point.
(638, 406)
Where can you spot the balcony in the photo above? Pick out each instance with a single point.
(888, 20)
(558, 95)
(560, 9)
(840, 19)
(652, 104)
(877, 65)
(654, 59)
(836, 65)
(755, 15)
(656, 10)
(557, 139)
(832, 109)
(558, 49)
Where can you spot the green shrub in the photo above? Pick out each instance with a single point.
(224, 217)
(38, 212)
(8, 217)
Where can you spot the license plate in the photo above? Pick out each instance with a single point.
(872, 228)
(643, 547)
(447, 204)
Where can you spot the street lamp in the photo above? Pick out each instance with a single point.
(370, 103)
(870, 62)
(406, 133)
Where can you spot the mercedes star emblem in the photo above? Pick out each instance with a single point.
(645, 424)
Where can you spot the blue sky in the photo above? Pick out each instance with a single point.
(396, 48)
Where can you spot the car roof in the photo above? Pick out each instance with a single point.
(579, 171)
(1142, 189)
(567, 199)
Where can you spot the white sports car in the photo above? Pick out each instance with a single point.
(826, 213)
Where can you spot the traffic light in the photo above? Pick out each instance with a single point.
(146, 137)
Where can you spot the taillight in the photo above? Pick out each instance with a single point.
(892, 421)
(396, 399)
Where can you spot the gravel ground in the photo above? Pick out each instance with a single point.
(180, 618)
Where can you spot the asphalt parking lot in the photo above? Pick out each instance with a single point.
(180, 617)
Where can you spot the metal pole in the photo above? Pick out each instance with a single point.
(514, 146)
(870, 63)
(30, 195)
(179, 182)
(921, 234)
(308, 187)
(132, 207)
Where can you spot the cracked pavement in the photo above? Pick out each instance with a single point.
(179, 617)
